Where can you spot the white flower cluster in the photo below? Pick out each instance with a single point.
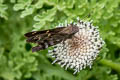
(79, 51)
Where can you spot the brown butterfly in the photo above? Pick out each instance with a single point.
(47, 38)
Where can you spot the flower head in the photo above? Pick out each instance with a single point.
(81, 49)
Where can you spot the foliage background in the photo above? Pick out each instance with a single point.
(17, 17)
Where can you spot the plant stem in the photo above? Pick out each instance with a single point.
(109, 63)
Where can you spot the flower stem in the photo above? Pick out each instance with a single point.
(109, 63)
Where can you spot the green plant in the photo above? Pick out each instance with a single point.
(17, 17)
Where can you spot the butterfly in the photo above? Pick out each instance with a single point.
(47, 38)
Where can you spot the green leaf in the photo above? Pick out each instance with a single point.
(39, 4)
(19, 6)
(27, 11)
(1, 1)
(44, 18)
(3, 12)
(39, 25)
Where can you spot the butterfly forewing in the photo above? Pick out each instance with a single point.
(47, 38)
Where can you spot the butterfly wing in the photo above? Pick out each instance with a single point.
(47, 38)
(35, 36)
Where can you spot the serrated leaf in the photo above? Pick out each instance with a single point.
(19, 6)
(27, 11)
(1, 1)
(39, 25)
(12, 1)
(107, 15)
(60, 5)
(39, 4)
(70, 3)
(28, 75)
(46, 16)
(3, 12)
